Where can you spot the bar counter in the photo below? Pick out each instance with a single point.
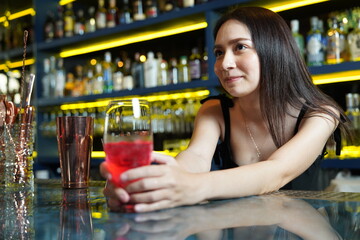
(50, 212)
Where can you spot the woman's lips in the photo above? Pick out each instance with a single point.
(233, 79)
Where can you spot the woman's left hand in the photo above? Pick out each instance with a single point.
(163, 185)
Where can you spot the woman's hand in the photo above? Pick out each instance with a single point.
(154, 187)
(164, 185)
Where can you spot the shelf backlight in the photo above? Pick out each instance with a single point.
(278, 7)
(336, 77)
(131, 39)
(29, 11)
(64, 2)
(20, 63)
(163, 97)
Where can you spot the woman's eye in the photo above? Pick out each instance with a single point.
(217, 53)
(240, 47)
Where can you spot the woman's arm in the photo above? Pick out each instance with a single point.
(168, 186)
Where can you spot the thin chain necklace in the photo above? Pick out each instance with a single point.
(258, 153)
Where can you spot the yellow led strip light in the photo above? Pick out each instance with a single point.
(64, 2)
(282, 6)
(131, 39)
(163, 97)
(336, 77)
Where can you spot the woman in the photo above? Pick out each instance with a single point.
(279, 121)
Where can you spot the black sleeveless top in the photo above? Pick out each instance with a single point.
(223, 158)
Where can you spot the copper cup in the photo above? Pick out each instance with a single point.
(75, 142)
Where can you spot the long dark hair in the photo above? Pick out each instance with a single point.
(284, 77)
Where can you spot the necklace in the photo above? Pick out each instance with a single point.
(258, 153)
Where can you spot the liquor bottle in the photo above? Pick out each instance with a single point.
(101, 15)
(204, 66)
(112, 14)
(118, 74)
(184, 72)
(335, 50)
(188, 3)
(125, 13)
(98, 84)
(150, 70)
(169, 6)
(78, 89)
(45, 79)
(69, 86)
(137, 70)
(90, 25)
(79, 27)
(59, 23)
(89, 79)
(69, 20)
(60, 78)
(195, 64)
(138, 10)
(49, 27)
(354, 42)
(52, 76)
(299, 39)
(151, 8)
(173, 71)
(129, 83)
(108, 70)
(162, 70)
(314, 47)
(353, 113)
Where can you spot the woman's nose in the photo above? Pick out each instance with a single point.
(228, 61)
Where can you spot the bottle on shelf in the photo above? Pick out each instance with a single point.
(150, 70)
(101, 15)
(138, 10)
(69, 85)
(204, 66)
(52, 76)
(112, 14)
(90, 25)
(78, 89)
(128, 77)
(173, 71)
(137, 70)
(151, 8)
(195, 64)
(184, 72)
(314, 44)
(353, 113)
(118, 75)
(169, 5)
(354, 42)
(335, 51)
(49, 27)
(89, 79)
(299, 39)
(125, 13)
(59, 23)
(108, 70)
(162, 70)
(188, 3)
(79, 27)
(45, 79)
(98, 84)
(60, 78)
(69, 21)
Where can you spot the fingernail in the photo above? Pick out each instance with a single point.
(139, 208)
(123, 177)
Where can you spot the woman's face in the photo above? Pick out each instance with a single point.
(237, 64)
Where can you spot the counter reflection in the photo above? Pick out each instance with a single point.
(247, 218)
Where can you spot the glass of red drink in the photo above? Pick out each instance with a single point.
(128, 140)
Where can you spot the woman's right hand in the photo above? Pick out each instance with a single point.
(115, 196)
